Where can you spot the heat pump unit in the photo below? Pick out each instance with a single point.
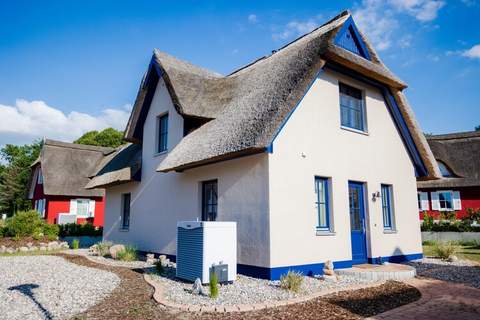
(203, 246)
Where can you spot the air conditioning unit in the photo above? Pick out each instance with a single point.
(204, 247)
(64, 218)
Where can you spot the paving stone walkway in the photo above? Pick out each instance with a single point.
(440, 300)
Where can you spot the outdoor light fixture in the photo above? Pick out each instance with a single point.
(376, 195)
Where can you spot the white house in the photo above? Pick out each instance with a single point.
(312, 150)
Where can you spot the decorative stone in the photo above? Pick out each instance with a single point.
(197, 287)
(30, 244)
(150, 258)
(23, 249)
(328, 268)
(3, 249)
(162, 259)
(53, 245)
(452, 259)
(10, 250)
(64, 245)
(115, 249)
(33, 248)
(330, 278)
(43, 248)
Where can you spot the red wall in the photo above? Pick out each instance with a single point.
(61, 204)
(470, 198)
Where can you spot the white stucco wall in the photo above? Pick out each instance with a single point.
(312, 144)
(162, 199)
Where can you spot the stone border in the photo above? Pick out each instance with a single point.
(159, 297)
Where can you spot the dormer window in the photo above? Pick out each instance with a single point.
(162, 133)
(444, 170)
(352, 109)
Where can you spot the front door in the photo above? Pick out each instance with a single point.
(357, 222)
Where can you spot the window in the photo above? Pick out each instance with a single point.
(126, 211)
(444, 170)
(387, 210)
(162, 133)
(83, 207)
(445, 200)
(423, 201)
(322, 204)
(352, 111)
(209, 200)
(40, 207)
(40, 177)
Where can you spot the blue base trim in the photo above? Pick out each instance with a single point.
(396, 259)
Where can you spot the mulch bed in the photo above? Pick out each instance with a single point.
(22, 242)
(132, 299)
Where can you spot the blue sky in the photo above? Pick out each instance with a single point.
(71, 66)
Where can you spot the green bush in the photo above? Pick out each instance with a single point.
(23, 224)
(77, 230)
(159, 267)
(128, 254)
(103, 248)
(444, 250)
(291, 281)
(213, 285)
(428, 243)
(75, 244)
(51, 231)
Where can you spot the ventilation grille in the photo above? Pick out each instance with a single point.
(190, 253)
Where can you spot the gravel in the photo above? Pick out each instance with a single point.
(246, 290)
(137, 264)
(460, 271)
(48, 287)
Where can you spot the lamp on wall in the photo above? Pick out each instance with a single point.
(376, 195)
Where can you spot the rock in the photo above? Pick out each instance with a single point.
(328, 268)
(328, 272)
(23, 249)
(197, 287)
(150, 258)
(53, 245)
(43, 248)
(10, 250)
(330, 278)
(42, 244)
(162, 259)
(33, 248)
(452, 259)
(64, 245)
(115, 249)
(3, 249)
(30, 244)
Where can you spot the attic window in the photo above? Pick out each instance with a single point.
(444, 170)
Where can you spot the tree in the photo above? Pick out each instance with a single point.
(477, 128)
(106, 138)
(15, 175)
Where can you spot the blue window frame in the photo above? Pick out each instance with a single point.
(162, 130)
(126, 211)
(322, 204)
(352, 111)
(387, 208)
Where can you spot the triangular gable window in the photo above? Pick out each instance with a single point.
(349, 38)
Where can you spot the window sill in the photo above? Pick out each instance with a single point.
(365, 133)
(123, 230)
(160, 153)
(389, 231)
(325, 233)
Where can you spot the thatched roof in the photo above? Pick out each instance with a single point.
(248, 106)
(121, 166)
(460, 152)
(66, 167)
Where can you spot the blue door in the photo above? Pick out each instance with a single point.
(357, 222)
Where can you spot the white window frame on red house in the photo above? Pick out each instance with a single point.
(40, 205)
(74, 208)
(456, 203)
(422, 199)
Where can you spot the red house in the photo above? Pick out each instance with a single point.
(58, 180)
(458, 157)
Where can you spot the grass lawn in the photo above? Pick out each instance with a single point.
(471, 252)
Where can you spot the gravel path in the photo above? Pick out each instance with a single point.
(48, 287)
(461, 271)
(246, 290)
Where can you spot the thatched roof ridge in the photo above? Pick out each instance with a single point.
(66, 168)
(460, 152)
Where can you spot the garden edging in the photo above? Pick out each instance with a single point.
(159, 298)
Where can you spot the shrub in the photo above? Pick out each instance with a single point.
(51, 231)
(102, 248)
(23, 224)
(159, 267)
(213, 285)
(77, 230)
(444, 250)
(128, 254)
(75, 244)
(428, 243)
(291, 281)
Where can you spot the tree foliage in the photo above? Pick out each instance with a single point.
(477, 128)
(106, 138)
(15, 175)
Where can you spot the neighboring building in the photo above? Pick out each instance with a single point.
(458, 157)
(59, 176)
(312, 150)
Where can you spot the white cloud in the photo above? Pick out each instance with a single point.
(473, 52)
(252, 18)
(405, 41)
(28, 120)
(296, 28)
(422, 10)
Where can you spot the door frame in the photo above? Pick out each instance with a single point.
(365, 220)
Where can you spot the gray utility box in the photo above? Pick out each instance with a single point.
(221, 270)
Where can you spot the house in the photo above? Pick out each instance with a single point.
(458, 157)
(312, 150)
(58, 180)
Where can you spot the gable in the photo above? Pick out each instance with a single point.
(349, 39)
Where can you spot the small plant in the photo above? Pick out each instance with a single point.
(75, 244)
(428, 243)
(445, 250)
(128, 254)
(51, 231)
(103, 248)
(213, 285)
(291, 281)
(159, 267)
